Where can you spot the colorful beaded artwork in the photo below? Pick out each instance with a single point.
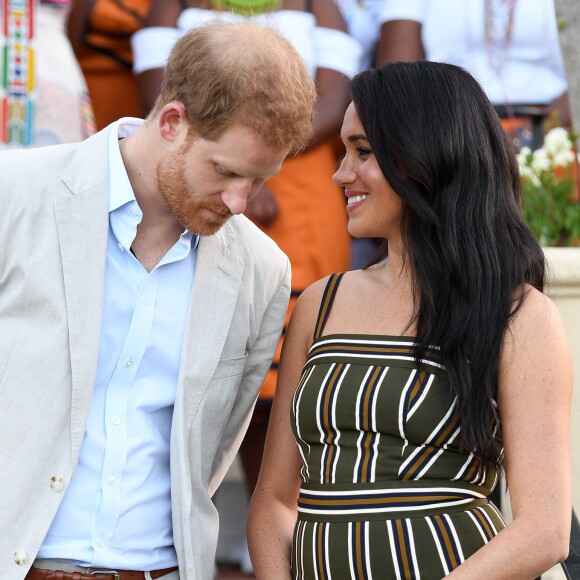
(17, 71)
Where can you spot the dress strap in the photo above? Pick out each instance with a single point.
(326, 303)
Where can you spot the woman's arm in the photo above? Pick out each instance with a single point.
(534, 400)
(332, 86)
(333, 97)
(400, 40)
(77, 22)
(272, 512)
(163, 13)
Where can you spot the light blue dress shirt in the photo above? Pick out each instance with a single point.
(116, 512)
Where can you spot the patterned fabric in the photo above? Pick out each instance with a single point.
(17, 65)
(386, 490)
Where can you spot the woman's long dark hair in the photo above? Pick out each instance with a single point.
(440, 145)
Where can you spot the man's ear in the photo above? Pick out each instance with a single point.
(173, 123)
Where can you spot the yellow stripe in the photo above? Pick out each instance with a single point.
(358, 552)
(447, 540)
(319, 541)
(327, 427)
(403, 550)
(367, 456)
(484, 523)
(325, 303)
(386, 500)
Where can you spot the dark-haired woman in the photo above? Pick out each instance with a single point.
(406, 386)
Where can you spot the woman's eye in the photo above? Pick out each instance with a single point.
(363, 152)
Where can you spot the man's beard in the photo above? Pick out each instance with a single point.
(182, 200)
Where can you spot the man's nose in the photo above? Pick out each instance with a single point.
(236, 196)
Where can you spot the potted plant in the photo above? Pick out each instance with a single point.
(552, 209)
(550, 186)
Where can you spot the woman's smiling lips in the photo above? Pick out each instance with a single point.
(354, 199)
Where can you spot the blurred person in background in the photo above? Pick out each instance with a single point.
(45, 98)
(100, 32)
(510, 46)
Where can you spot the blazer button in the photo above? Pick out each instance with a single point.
(20, 557)
(56, 483)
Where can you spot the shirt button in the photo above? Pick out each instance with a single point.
(144, 301)
(111, 480)
(56, 483)
(20, 557)
(115, 420)
(134, 211)
(129, 363)
(100, 542)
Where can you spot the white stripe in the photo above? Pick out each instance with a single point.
(383, 509)
(497, 512)
(375, 458)
(367, 548)
(376, 355)
(439, 547)
(455, 537)
(303, 533)
(359, 397)
(488, 519)
(357, 410)
(375, 398)
(429, 439)
(320, 428)
(391, 491)
(407, 386)
(429, 464)
(366, 342)
(478, 527)
(393, 549)
(373, 466)
(483, 475)
(350, 554)
(297, 397)
(417, 404)
(416, 571)
(358, 456)
(327, 557)
(434, 458)
(443, 421)
(463, 469)
(495, 479)
(335, 425)
(314, 555)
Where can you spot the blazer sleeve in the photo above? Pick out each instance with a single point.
(257, 364)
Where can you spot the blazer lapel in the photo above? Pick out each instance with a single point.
(82, 221)
(218, 275)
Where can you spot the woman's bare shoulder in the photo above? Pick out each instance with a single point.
(535, 332)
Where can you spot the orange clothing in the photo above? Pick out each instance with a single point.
(106, 58)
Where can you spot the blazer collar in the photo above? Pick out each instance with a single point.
(217, 282)
(82, 222)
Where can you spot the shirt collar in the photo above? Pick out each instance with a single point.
(120, 189)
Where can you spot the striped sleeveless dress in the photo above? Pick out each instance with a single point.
(386, 491)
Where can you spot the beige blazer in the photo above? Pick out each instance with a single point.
(53, 232)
